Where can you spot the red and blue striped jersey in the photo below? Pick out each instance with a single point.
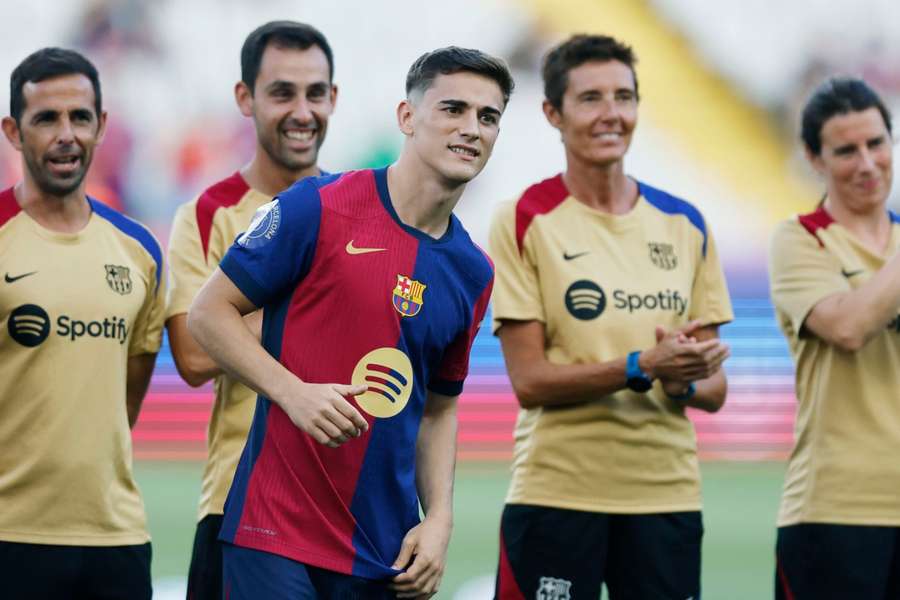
(351, 295)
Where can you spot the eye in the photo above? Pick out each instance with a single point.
(489, 119)
(453, 110)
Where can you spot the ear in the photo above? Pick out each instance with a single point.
(101, 127)
(243, 96)
(554, 116)
(12, 133)
(405, 113)
(334, 96)
(815, 160)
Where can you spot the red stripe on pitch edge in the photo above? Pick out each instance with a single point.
(507, 588)
(227, 192)
(539, 199)
(785, 587)
(8, 206)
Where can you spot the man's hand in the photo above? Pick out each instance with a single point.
(322, 411)
(426, 546)
(678, 357)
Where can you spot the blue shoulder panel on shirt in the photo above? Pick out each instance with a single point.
(132, 229)
(669, 204)
(895, 218)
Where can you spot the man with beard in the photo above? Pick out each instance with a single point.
(286, 88)
(82, 301)
(373, 293)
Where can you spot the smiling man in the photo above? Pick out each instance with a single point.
(81, 303)
(286, 88)
(372, 293)
(608, 301)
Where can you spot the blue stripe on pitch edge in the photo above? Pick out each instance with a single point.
(133, 229)
(669, 204)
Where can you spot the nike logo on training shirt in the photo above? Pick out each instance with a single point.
(849, 274)
(351, 249)
(568, 256)
(9, 279)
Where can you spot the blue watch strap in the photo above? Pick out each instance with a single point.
(632, 367)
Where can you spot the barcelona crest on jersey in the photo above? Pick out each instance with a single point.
(118, 279)
(408, 296)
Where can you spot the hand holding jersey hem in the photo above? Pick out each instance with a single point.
(425, 545)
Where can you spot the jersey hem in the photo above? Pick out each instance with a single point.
(314, 559)
(628, 509)
(75, 539)
(836, 520)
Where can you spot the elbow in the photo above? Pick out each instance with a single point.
(526, 390)
(191, 376)
(849, 339)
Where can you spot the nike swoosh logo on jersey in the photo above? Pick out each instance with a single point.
(9, 279)
(849, 274)
(568, 256)
(351, 249)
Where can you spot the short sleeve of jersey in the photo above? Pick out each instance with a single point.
(278, 247)
(188, 268)
(146, 335)
(801, 272)
(516, 289)
(455, 363)
(710, 302)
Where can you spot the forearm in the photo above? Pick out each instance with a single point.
(710, 393)
(859, 315)
(139, 372)
(543, 383)
(436, 459)
(222, 333)
(194, 365)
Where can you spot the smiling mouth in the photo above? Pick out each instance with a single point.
(464, 151)
(300, 135)
(65, 164)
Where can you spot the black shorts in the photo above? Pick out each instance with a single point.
(205, 574)
(556, 553)
(823, 561)
(39, 572)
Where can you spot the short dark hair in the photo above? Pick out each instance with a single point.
(837, 96)
(282, 34)
(576, 51)
(453, 59)
(48, 63)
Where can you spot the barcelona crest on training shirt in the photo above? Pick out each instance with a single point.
(408, 296)
(118, 279)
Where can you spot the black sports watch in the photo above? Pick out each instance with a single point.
(635, 379)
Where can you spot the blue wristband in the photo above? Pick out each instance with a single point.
(687, 395)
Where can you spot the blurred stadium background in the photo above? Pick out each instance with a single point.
(722, 84)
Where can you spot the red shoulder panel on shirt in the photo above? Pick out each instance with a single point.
(8, 206)
(814, 221)
(539, 199)
(227, 192)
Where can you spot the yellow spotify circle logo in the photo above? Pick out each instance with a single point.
(388, 373)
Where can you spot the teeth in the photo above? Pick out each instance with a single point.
(300, 136)
(609, 136)
(465, 151)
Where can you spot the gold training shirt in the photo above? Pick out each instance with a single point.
(844, 467)
(600, 284)
(74, 308)
(203, 230)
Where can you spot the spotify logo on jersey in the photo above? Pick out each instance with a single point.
(29, 325)
(585, 300)
(388, 373)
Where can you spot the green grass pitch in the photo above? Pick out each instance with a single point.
(741, 500)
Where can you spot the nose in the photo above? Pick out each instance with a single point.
(302, 111)
(609, 111)
(65, 134)
(867, 160)
(468, 127)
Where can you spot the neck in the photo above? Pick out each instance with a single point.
(67, 214)
(421, 198)
(266, 176)
(602, 187)
(872, 225)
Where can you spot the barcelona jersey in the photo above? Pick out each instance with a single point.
(74, 308)
(351, 295)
